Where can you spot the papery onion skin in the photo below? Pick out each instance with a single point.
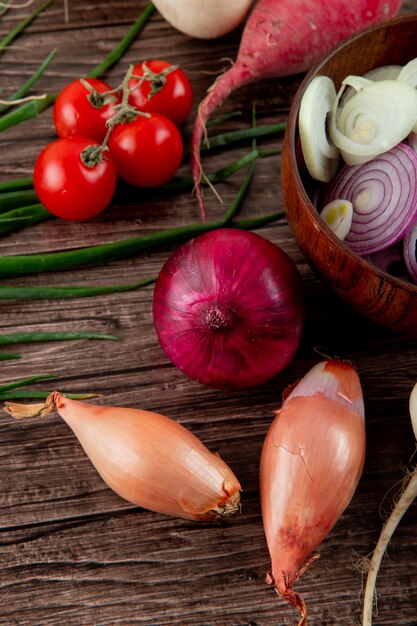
(149, 459)
(311, 462)
(390, 181)
(229, 309)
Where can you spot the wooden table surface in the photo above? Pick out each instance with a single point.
(72, 552)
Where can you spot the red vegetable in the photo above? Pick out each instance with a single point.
(84, 112)
(228, 309)
(166, 90)
(383, 193)
(67, 186)
(282, 38)
(148, 151)
(311, 462)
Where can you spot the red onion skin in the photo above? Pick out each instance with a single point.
(311, 462)
(229, 309)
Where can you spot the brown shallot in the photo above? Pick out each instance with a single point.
(147, 458)
(311, 462)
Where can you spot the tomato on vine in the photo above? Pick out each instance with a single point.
(83, 107)
(74, 179)
(148, 151)
(161, 87)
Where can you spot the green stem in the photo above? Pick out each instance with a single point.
(14, 199)
(24, 381)
(21, 26)
(23, 217)
(35, 107)
(4, 356)
(16, 184)
(70, 259)
(32, 337)
(42, 395)
(20, 93)
(50, 293)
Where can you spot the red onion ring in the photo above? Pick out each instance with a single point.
(410, 253)
(389, 260)
(384, 197)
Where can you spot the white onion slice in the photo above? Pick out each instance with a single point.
(384, 72)
(383, 193)
(338, 216)
(320, 156)
(374, 120)
(408, 73)
(410, 253)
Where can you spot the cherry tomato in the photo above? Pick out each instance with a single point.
(68, 188)
(148, 151)
(78, 111)
(172, 95)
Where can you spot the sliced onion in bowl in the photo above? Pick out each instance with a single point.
(383, 193)
(410, 253)
(389, 260)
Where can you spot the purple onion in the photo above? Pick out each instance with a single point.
(384, 197)
(389, 260)
(229, 309)
(410, 253)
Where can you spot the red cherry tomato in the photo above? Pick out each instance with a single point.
(68, 188)
(172, 95)
(148, 151)
(78, 111)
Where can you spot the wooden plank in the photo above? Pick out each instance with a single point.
(74, 553)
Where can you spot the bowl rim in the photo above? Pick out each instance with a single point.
(292, 133)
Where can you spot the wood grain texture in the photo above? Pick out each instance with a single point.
(72, 552)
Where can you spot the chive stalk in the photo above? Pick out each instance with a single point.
(7, 40)
(80, 257)
(32, 337)
(29, 110)
(14, 199)
(24, 89)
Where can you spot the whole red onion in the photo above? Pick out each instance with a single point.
(229, 309)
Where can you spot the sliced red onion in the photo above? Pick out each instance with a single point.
(383, 193)
(410, 253)
(389, 260)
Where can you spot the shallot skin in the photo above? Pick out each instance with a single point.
(151, 460)
(311, 463)
(229, 309)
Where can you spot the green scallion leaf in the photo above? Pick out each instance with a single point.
(25, 381)
(7, 40)
(31, 337)
(29, 110)
(57, 261)
(24, 90)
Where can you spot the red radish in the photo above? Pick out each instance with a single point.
(282, 38)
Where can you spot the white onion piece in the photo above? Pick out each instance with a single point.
(338, 217)
(410, 253)
(384, 72)
(408, 73)
(413, 409)
(320, 156)
(383, 193)
(374, 120)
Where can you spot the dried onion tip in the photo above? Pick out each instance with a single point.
(311, 462)
(229, 309)
(147, 458)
